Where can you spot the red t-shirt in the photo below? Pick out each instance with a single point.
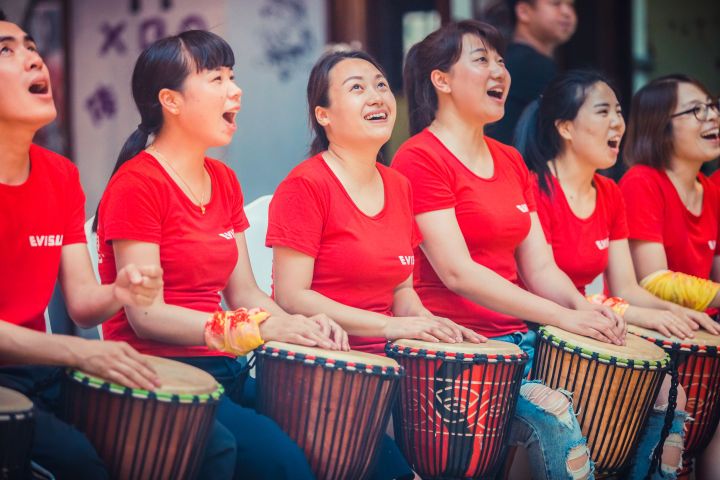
(493, 215)
(715, 178)
(36, 219)
(580, 245)
(655, 213)
(197, 252)
(359, 259)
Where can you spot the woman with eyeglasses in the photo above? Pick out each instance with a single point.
(673, 210)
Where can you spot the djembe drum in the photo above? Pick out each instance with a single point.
(455, 406)
(16, 434)
(141, 434)
(334, 405)
(698, 366)
(613, 387)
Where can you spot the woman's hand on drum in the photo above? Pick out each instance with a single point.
(663, 321)
(138, 286)
(117, 362)
(300, 330)
(331, 329)
(695, 319)
(430, 329)
(599, 323)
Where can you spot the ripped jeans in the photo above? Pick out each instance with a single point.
(545, 424)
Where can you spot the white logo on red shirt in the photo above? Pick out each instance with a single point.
(523, 207)
(46, 240)
(407, 259)
(602, 244)
(712, 244)
(229, 235)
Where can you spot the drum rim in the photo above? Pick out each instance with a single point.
(28, 405)
(139, 393)
(668, 344)
(330, 363)
(458, 357)
(603, 357)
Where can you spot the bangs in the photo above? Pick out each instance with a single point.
(206, 51)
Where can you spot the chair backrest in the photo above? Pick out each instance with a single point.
(260, 255)
(57, 319)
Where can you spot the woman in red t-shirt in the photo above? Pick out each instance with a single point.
(565, 137)
(474, 204)
(341, 224)
(170, 204)
(673, 210)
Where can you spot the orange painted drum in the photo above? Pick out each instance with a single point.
(455, 405)
(613, 388)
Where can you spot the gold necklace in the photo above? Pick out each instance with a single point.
(152, 149)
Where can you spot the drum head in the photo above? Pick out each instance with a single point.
(176, 378)
(702, 337)
(635, 348)
(491, 347)
(351, 356)
(13, 402)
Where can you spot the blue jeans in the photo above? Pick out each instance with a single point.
(550, 438)
(649, 439)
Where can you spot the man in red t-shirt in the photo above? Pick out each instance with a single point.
(42, 240)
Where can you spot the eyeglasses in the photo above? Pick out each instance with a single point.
(702, 111)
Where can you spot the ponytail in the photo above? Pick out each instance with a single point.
(532, 148)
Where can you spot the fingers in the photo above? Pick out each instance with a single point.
(472, 336)
(706, 322)
(324, 322)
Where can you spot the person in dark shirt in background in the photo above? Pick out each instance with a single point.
(540, 26)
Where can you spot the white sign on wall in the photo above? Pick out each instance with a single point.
(275, 44)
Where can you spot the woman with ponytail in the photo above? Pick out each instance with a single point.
(475, 207)
(168, 203)
(673, 210)
(565, 137)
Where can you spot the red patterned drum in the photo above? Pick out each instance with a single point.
(455, 406)
(698, 365)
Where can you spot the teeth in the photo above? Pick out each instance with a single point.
(496, 93)
(711, 135)
(376, 116)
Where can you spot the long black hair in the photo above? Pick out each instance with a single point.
(166, 64)
(536, 134)
(439, 51)
(318, 86)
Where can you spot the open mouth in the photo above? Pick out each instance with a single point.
(713, 134)
(613, 143)
(229, 117)
(39, 87)
(496, 93)
(375, 116)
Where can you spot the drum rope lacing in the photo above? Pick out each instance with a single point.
(605, 371)
(689, 360)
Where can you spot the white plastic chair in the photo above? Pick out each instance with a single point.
(260, 255)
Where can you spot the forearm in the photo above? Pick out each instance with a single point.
(253, 297)
(166, 323)
(635, 295)
(553, 284)
(406, 303)
(485, 287)
(19, 345)
(91, 304)
(354, 321)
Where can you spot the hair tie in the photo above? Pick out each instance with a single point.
(143, 129)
